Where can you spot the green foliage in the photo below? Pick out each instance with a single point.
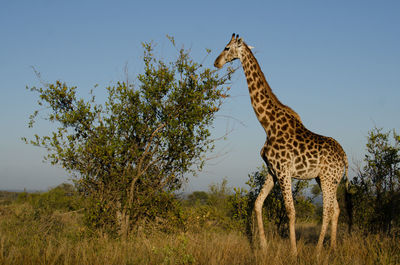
(219, 193)
(130, 152)
(197, 198)
(63, 198)
(240, 204)
(216, 209)
(376, 188)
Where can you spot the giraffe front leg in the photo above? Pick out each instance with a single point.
(268, 184)
(286, 187)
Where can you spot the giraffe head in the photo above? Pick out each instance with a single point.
(231, 52)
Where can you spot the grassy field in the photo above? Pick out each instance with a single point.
(27, 237)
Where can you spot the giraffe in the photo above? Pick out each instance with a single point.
(290, 150)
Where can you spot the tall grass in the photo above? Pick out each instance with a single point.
(61, 238)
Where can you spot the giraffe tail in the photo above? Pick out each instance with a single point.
(346, 171)
(348, 195)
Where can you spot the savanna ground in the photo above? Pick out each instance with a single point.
(49, 228)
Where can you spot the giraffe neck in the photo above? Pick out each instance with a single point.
(266, 105)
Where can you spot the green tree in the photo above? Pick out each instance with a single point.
(128, 154)
(376, 188)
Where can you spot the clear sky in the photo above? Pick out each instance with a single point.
(336, 63)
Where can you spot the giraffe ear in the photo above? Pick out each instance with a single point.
(250, 47)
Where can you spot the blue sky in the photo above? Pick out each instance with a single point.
(336, 63)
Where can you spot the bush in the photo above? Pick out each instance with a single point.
(376, 188)
(139, 145)
(63, 198)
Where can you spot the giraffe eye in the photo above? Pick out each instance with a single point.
(226, 49)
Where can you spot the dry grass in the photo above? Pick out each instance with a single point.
(61, 239)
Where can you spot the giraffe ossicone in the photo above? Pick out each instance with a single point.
(290, 150)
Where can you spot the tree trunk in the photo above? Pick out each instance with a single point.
(123, 223)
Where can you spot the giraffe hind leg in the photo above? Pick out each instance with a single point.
(335, 218)
(330, 213)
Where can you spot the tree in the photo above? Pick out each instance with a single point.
(128, 154)
(376, 188)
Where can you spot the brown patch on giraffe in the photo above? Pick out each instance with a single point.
(272, 152)
(302, 147)
(264, 121)
(260, 109)
(299, 137)
(264, 102)
(280, 140)
(273, 128)
(313, 161)
(301, 172)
